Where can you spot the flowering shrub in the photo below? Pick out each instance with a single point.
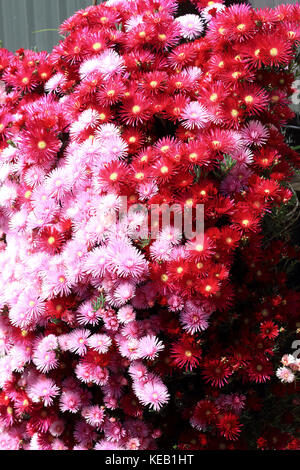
(110, 340)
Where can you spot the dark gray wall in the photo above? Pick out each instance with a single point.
(20, 18)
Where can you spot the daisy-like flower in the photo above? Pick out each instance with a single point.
(154, 394)
(78, 341)
(45, 360)
(195, 320)
(186, 354)
(99, 342)
(87, 315)
(43, 389)
(285, 374)
(126, 314)
(255, 133)
(123, 293)
(195, 115)
(107, 64)
(191, 26)
(114, 148)
(216, 372)
(135, 110)
(56, 83)
(70, 400)
(229, 426)
(125, 260)
(149, 347)
(94, 415)
(39, 144)
(205, 413)
(57, 428)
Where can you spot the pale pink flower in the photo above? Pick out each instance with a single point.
(149, 347)
(195, 115)
(285, 375)
(191, 26)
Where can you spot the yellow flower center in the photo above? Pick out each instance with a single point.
(136, 109)
(249, 99)
(97, 46)
(164, 170)
(241, 27)
(113, 176)
(42, 145)
(273, 52)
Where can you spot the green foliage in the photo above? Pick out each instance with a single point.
(98, 303)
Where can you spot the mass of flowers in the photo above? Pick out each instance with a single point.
(111, 340)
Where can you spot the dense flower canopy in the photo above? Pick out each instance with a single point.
(105, 332)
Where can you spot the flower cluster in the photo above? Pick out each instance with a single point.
(103, 331)
(290, 366)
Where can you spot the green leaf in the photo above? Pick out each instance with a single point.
(98, 303)
(197, 171)
(145, 242)
(10, 142)
(227, 164)
(45, 30)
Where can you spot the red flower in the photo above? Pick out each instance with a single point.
(216, 372)
(186, 354)
(269, 330)
(229, 426)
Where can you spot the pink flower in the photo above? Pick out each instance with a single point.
(195, 115)
(125, 260)
(45, 360)
(107, 445)
(126, 314)
(149, 347)
(154, 393)
(94, 415)
(285, 375)
(194, 320)
(87, 315)
(191, 26)
(99, 342)
(78, 341)
(43, 389)
(255, 133)
(57, 428)
(70, 400)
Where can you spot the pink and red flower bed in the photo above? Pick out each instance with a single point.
(113, 339)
